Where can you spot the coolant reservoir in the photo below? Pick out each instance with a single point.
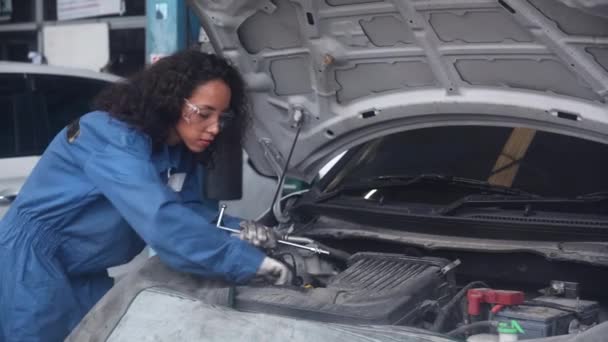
(509, 331)
(483, 338)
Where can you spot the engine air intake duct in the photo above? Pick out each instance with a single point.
(375, 288)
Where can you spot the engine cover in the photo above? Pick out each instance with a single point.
(375, 288)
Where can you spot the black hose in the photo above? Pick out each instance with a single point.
(296, 280)
(465, 328)
(284, 172)
(293, 266)
(446, 309)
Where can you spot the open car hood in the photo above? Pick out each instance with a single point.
(355, 70)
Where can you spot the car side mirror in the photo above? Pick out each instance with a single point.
(223, 180)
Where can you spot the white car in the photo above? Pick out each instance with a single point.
(36, 102)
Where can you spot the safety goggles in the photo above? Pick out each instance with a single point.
(201, 115)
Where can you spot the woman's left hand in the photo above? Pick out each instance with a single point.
(258, 234)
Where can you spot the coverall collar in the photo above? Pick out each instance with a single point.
(168, 157)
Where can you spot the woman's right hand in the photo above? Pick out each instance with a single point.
(274, 271)
(258, 234)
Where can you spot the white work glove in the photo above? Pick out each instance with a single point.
(274, 271)
(258, 234)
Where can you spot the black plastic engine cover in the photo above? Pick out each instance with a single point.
(376, 288)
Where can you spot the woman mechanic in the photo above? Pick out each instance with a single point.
(120, 178)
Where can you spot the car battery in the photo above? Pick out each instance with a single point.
(540, 321)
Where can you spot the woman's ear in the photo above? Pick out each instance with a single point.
(187, 117)
(173, 137)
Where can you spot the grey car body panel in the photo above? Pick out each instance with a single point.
(157, 315)
(99, 323)
(209, 316)
(362, 69)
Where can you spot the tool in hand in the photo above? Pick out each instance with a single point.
(237, 231)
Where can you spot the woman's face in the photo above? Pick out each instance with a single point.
(202, 112)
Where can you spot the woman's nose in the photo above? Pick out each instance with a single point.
(214, 127)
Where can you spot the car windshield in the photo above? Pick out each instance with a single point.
(537, 162)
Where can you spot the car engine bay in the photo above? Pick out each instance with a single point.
(447, 292)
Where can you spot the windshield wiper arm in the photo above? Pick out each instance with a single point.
(598, 195)
(486, 201)
(389, 181)
(392, 180)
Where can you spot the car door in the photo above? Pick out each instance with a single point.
(33, 109)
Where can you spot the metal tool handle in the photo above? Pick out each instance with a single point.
(237, 231)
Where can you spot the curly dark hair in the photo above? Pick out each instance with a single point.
(152, 99)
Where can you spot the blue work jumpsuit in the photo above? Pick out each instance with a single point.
(95, 198)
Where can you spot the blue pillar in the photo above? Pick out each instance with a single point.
(166, 28)
(170, 27)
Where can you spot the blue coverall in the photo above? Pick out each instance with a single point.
(93, 202)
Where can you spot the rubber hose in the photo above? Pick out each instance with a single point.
(444, 311)
(464, 328)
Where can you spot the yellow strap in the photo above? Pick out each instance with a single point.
(514, 150)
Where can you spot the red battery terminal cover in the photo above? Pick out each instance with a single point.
(476, 297)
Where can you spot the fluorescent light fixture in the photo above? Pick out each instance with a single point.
(370, 194)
